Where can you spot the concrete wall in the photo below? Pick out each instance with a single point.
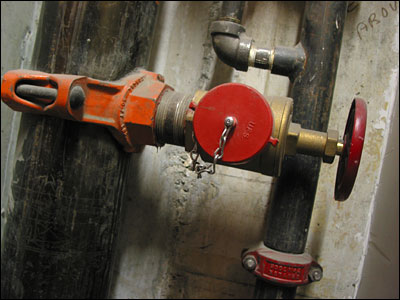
(380, 277)
(19, 21)
(368, 68)
(182, 236)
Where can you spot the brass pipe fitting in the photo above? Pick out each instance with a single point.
(331, 146)
(315, 143)
(271, 159)
(339, 149)
(292, 139)
(189, 139)
(311, 142)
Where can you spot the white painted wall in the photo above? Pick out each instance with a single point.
(380, 276)
(19, 22)
(368, 68)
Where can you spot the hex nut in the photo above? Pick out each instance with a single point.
(198, 96)
(292, 138)
(189, 143)
(331, 146)
(315, 274)
(139, 111)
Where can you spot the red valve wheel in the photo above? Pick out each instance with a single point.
(253, 121)
(353, 142)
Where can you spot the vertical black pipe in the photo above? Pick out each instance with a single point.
(69, 178)
(289, 212)
(232, 11)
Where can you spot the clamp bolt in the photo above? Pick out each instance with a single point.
(160, 78)
(315, 274)
(250, 263)
(77, 97)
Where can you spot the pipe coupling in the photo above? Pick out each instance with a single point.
(170, 118)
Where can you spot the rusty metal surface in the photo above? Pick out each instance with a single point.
(232, 11)
(69, 178)
(127, 106)
(288, 61)
(170, 121)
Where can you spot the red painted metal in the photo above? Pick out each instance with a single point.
(354, 135)
(127, 106)
(254, 121)
(281, 268)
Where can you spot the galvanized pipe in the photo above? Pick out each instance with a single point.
(170, 118)
(232, 11)
(236, 49)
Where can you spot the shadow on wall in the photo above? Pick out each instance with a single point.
(179, 238)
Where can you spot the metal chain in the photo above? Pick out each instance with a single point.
(218, 153)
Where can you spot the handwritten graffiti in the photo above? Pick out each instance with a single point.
(375, 18)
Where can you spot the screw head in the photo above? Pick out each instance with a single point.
(76, 97)
(229, 121)
(250, 263)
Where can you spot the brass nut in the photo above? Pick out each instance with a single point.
(189, 115)
(189, 143)
(292, 138)
(331, 146)
(198, 96)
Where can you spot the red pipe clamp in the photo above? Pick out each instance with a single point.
(281, 268)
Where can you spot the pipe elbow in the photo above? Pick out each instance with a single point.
(231, 44)
(226, 48)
